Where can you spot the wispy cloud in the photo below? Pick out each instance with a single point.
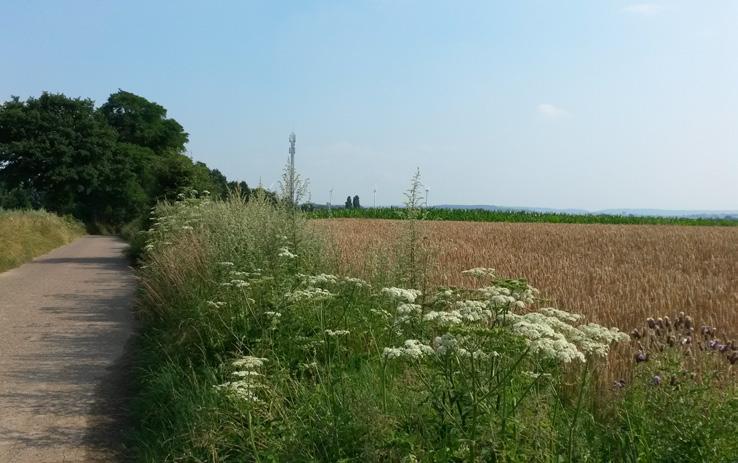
(552, 111)
(644, 9)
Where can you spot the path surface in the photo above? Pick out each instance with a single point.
(65, 321)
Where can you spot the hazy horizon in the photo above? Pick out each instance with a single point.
(581, 105)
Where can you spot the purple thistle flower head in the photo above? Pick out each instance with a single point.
(641, 357)
(656, 380)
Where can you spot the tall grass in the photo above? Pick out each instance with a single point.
(256, 348)
(27, 234)
(481, 215)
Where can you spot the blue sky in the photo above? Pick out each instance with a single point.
(586, 104)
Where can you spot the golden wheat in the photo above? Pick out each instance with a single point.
(617, 275)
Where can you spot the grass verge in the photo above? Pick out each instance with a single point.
(252, 350)
(27, 234)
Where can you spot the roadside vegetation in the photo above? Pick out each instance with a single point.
(27, 234)
(106, 166)
(257, 347)
(481, 215)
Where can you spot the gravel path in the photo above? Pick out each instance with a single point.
(65, 324)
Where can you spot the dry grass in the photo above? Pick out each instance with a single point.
(27, 234)
(617, 275)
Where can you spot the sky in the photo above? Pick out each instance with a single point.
(566, 104)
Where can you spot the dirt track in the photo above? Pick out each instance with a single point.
(65, 322)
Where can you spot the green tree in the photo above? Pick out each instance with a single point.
(356, 204)
(64, 151)
(349, 203)
(144, 123)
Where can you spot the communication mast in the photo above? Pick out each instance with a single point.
(291, 170)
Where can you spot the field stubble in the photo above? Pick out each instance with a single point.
(616, 275)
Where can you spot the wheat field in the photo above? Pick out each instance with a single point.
(617, 275)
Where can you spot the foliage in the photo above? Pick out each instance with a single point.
(105, 166)
(480, 215)
(27, 234)
(255, 350)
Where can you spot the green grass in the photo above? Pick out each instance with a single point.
(27, 234)
(252, 351)
(479, 215)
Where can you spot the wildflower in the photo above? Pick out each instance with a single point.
(239, 283)
(322, 279)
(285, 252)
(337, 333)
(480, 272)
(407, 295)
(273, 314)
(149, 247)
(249, 362)
(407, 311)
(413, 349)
(560, 314)
(187, 228)
(216, 304)
(640, 356)
(356, 282)
(619, 384)
(656, 380)
(309, 294)
(444, 318)
(225, 264)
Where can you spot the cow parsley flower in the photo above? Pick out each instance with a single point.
(480, 272)
(560, 314)
(401, 294)
(284, 251)
(337, 333)
(315, 280)
(309, 294)
(249, 362)
(413, 349)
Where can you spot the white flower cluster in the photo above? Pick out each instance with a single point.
(285, 252)
(562, 315)
(480, 272)
(413, 349)
(407, 312)
(317, 280)
(309, 294)
(335, 333)
(216, 304)
(550, 335)
(358, 282)
(245, 387)
(401, 294)
(447, 344)
(462, 311)
(504, 297)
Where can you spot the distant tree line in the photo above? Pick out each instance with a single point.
(102, 165)
(352, 203)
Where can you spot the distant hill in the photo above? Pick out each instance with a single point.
(694, 214)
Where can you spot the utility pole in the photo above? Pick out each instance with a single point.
(330, 199)
(427, 190)
(375, 196)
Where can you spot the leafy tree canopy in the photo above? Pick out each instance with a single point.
(106, 165)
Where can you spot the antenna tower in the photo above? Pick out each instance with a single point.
(291, 172)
